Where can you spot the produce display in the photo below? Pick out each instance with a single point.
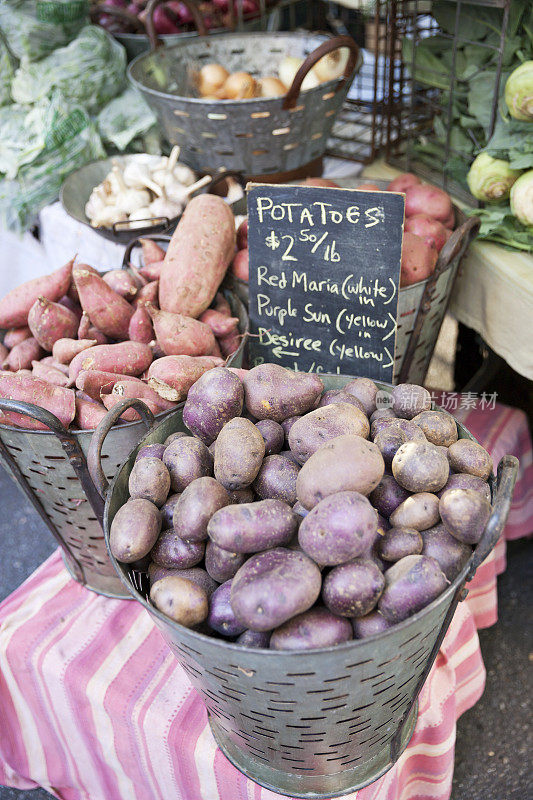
(295, 519)
(488, 165)
(146, 188)
(77, 342)
(214, 82)
(429, 222)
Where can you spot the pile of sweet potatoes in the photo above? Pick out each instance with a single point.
(77, 342)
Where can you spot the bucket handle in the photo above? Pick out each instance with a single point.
(149, 21)
(322, 50)
(94, 460)
(119, 13)
(455, 246)
(76, 458)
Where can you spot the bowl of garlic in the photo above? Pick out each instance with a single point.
(127, 196)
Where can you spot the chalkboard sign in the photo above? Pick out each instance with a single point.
(324, 277)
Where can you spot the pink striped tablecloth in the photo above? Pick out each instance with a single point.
(94, 707)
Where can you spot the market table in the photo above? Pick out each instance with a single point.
(95, 706)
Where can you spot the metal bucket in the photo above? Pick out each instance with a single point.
(316, 723)
(51, 469)
(259, 136)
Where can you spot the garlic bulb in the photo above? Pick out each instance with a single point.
(140, 218)
(129, 199)
(96, 202)
(180, 194)
(163, 207)
(107, 216)
(138, 176)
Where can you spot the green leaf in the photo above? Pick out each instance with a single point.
(474, 20)
(498, 225)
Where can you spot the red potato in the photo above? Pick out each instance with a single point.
(449, 222)
(95, 383)
(221, 324)
(65, 349)
(127, 358)
(198, 256)
(172, 376)
(50, 321)
(240, 265)
(140, 328)
(368, 187)
(15, 336)
(430, 230)
(22, 355)
(130, 415)
(403, 182)
(122, 282)
(425, 199)
(49, 374)
(418, 259)
(242, 235)
(148, 294)
(88, 413)
(135, 388)
(107, 310)
(320, 182)
(151, 252)
(56, 399)
(15, 306)
(181, 335)
(152, 272)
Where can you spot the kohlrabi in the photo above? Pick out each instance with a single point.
(490, 179)
(522, 198)
(519, 92)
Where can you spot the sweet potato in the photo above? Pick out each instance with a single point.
(242, 235)
(84, 326)
(49, 374)
(403, 182)
(418, 259)
(95, 382)
(430, 230)
(15, 306)
(15, 336)
(50, 321)
(56, 399)
(127, 358)
(140, 328)
(88, 414)
(222, 305)
(172, 376)
(4, 352)
(122, 282)
(180, 335)
(73, 292)
(125, 388)
(425, 199)
(198, 256)
(230, 344)
(151, 251)
(98, 336)
(130, 415)
(65, 349)
(148, 294)
(152, 272)
(52, 362)
(22, 355)
(220, 324)
(240, 266)
(107, 310)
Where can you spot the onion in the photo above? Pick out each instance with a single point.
(211, 77)
(239, 86)
(288, 68)
(332, 66)
(271, 86)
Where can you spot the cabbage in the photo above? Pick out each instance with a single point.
(125, 118)
(519, 92)
(490, 179)
(33, 29)
(522, 198)
(90, 71)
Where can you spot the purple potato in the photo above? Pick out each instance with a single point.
(408, 400)
(420, 467)
(221, 617)
(353, 589)
(215, 399)
(155, 450)
(313, 430)
(180, 599)
(289, 455)
(389, 442)
(420, 511)
(388, 495)
(288, 423)
(187, 458)
(273, 586)
(315, 628)
(273, 392)
(195, 507)
(468, 456)
(398, 543)
(273, 434)
(195, 574)
(174, 436)
(242, 496)
(411, 584)
(276, 480)
(409, 428)
(149, 480)
(239, 454)
(465, 514)
(365, 391)
(134, 530)
(382, 413)
(439, 427)
(172, 552)
(299, 509)
(451, 554)
(251, 527)
(255, 639)
(339, 528)
(370, 625)
(340, 396)
(167, 510)
(461, 480)
(221, 564)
